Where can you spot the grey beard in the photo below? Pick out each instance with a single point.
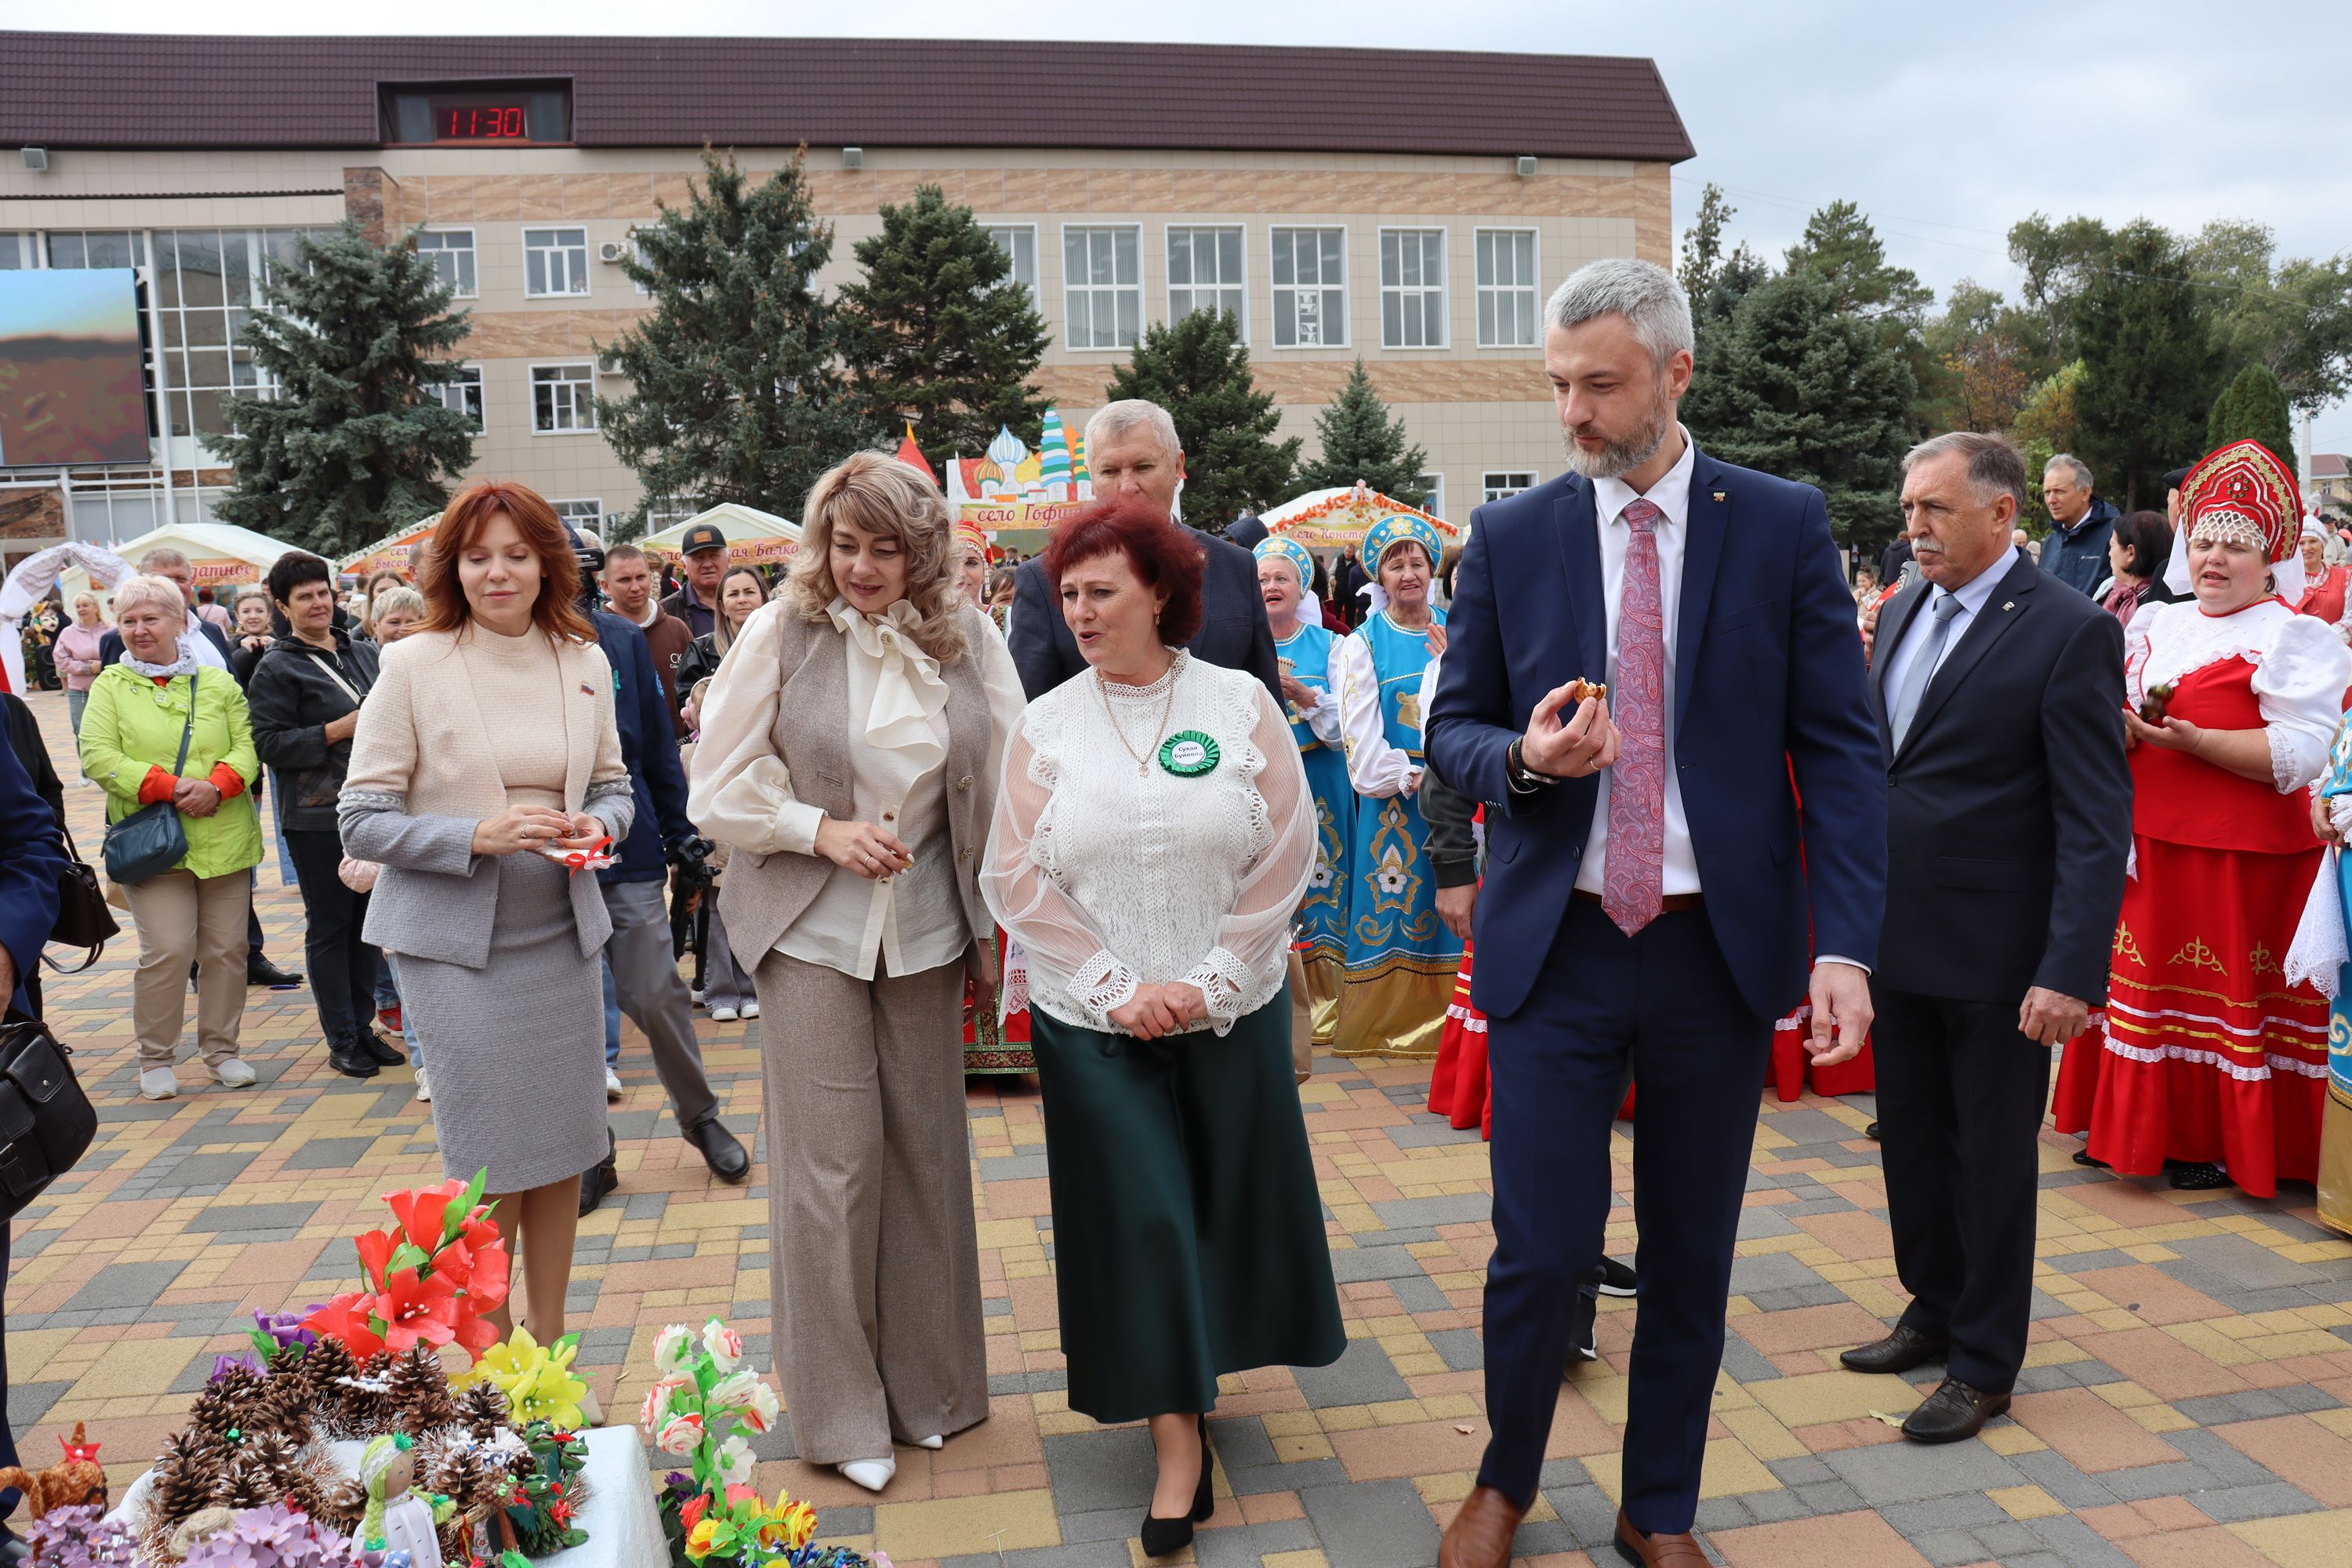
(1620, 458)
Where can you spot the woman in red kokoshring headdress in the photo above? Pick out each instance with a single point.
(2210, 1060)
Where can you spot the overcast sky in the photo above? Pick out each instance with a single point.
(1945, 123)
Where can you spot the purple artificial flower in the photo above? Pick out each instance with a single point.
(287, 1327)
(272, 1537)
(79, 1537)
(223, 1364)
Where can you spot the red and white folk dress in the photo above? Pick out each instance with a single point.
(2208, 1055)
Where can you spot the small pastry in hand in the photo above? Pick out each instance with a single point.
(1579, 688)
(2152, 709)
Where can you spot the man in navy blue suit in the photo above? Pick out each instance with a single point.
(1652, 894)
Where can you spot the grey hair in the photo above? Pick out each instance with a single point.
(143, 589)
(1113, 420)
(1995, 464)
(1643, 292)
(163, 555)
(2080, 469)
(398, 596)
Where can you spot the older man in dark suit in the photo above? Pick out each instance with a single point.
(1131, 450)
(2000, 703)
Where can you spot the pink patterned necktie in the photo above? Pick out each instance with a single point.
(1634, 888)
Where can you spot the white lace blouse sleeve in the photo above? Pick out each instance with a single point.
(740, 791)
(2300, 685)
(2136, 637)
(1255, 935)
(1065, 952)
(1376, 768)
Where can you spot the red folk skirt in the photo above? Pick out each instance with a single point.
(2207, 1055)
(1458, 1086)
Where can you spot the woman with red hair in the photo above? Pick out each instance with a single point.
(487, 752)
(1153, 838)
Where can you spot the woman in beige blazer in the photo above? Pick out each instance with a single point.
(486, 751)
(849, 756)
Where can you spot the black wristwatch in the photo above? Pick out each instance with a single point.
(1523, 780)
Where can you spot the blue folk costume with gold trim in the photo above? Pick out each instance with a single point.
(1306, 655)
(2335, 1183)
(1401, 958)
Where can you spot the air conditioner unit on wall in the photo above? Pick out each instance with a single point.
(610, 251)
(608, 363)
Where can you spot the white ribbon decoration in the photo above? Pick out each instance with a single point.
(33, 577)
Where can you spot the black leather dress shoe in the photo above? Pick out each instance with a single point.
(259, 971)
(721, 1151)
(15, 1551)
(597, 1181)
(380, 1048)
(1953, 1412)
(1616, 1277)
(1871, 1132)
(352, 1058)
(1898, 1351)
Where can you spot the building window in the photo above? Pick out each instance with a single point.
(209, 283)
(1412, 288)
(451, 251)
(588, 513)
(98, 249)
(1432, 494)
(461, 393)
(1204, 273)
(1506, 288)
(563, 398)
(16, 252)
(1311, 288)
(1102, 287)
(554, 261)
(1019, 243)
(1496, 485)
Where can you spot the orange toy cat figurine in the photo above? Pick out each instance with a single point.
(76, 1479)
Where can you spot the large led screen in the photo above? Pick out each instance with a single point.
(69, 384)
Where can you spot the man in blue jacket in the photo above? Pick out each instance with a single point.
(2080, 523)
(32, 858)
(640, 969)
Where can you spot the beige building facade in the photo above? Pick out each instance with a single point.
(1430, 266)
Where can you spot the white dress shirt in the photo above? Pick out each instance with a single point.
(1972, 595)
(1671, 496)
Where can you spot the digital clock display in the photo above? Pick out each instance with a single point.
(480, 122)
(473, 113)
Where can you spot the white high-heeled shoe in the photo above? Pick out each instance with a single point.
(934, 1442)
(871, 1474)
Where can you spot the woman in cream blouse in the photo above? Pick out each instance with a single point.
(849, 755)
(1152, 842)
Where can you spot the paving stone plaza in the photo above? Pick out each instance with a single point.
(2188, 1396)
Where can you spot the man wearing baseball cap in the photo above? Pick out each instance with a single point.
(696, 600)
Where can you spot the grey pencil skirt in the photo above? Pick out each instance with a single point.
(517, 1047)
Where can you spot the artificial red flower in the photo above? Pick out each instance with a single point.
(375, 1248)
(486, 1272)
(691, 1514)
(346, 1319)
(416, 1308)
(423, 1213)
(474, 1331)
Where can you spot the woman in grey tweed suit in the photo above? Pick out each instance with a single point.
(849, 753)
(486, 744)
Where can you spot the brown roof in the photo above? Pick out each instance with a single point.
(2330, 464)
(122, 89)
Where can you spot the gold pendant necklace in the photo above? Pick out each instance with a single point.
(1143, 763)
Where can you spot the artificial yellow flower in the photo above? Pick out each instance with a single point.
(537, 1380)
(697, 1544)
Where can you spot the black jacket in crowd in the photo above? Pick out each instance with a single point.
(1234, 630)
(1452, 842)
(293, 696)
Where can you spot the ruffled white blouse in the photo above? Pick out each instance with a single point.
(1377, 769)
(2301, 670)
(743, 792)
(1114, 875)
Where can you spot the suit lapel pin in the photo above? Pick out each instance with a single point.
(1719, 495)
(2011, 606)
(586, 689)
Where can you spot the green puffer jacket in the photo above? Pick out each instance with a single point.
(130, 724)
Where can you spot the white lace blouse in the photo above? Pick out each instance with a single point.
(2301, 668)
(1113, 875)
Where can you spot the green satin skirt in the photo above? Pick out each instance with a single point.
(1187, 1230)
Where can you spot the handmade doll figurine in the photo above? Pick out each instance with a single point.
(397, 1520)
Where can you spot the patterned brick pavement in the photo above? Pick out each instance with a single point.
(2188, 1399)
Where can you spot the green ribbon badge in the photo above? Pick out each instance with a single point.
(1189, 753)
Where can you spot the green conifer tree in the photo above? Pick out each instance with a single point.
(1362, 440)
(938, 332)
(2252, 407)
(1197, 368)
(2144, 332)
(1798, 388)
(350, 446)
(737, 392)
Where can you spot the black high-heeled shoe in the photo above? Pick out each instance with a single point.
(1162, 1537)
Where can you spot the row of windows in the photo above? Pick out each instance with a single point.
(1102, 279)
(1102, 282)
(562, 397)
